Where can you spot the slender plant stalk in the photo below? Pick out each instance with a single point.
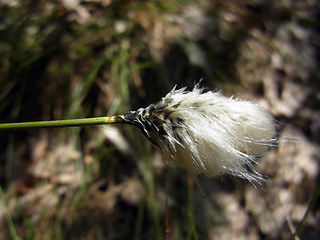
(192, 233)
(4, 205)
(61, 123)
(310, 207)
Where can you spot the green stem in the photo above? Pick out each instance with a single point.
(192, 231)
(311, 206)
(7, 216)
(61, 123)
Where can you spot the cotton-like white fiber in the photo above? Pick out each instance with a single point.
(206, 132)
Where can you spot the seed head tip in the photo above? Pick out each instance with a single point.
(206, 132)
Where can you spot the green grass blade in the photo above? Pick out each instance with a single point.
(7, 216)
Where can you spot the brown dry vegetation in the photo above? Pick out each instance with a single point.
(70, 59)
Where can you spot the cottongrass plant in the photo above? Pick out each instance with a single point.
(202, 132)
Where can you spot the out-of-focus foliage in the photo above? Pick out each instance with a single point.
(71, 58)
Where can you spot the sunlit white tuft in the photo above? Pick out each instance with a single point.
(206, 132)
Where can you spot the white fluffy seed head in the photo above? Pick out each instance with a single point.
(207, 132)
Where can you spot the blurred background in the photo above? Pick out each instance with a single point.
(62, 59)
